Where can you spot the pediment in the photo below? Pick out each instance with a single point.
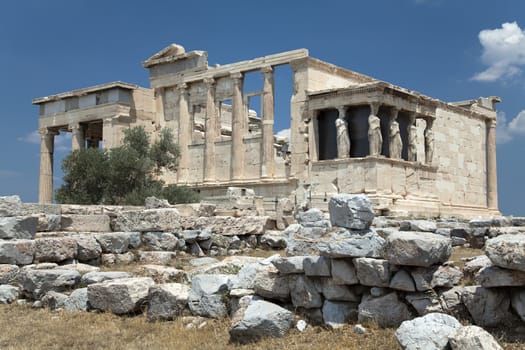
(170, 51)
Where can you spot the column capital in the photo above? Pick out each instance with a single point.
(209, 81)
(236, 76)
(47, 132)
(266, 70)
(74, 126)
(491, 123)
(342, 110)
(182, 87)
(374, 107)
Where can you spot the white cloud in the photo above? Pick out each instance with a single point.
(505, 132)
(503, 52)
(62, 140)
(32, 137)
(285, 134)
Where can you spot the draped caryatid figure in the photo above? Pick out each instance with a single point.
(375, 139)
(343, 138)
(395, 144)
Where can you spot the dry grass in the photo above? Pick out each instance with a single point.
(461, 252)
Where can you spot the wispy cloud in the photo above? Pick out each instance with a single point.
(505, 132)
(285, 134)
(62, 141)
(503, 52)
(32, 137)
(6, 173)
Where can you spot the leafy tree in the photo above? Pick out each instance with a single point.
(123, 175)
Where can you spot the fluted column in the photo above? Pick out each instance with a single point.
(47, 145)
(268, 164)
(237, 153)
(78, 139)
(185, 131)
(492, 174)
(211, 131)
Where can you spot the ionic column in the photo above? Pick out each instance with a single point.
(47, 145)
(211, 131)
(78, 140)
(268, 164)
(237, 153)
(185, 131)
(108, 133)
(492, 174)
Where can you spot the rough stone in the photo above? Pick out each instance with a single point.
(269, 284)
(85, 223)
(421, 225)
(119, 296)
(274, 239)
(316, 266)
(113, 242)
(507, 251)
(344, 272)
(77, 301)
(149, 220)
(402, 281)
(156, 257)
(386, 310)
(429, 332)
(424, 303)
(472, 338)
(112, 259)
(8, 273)
(10, 206)
(55, 249)
(8, 293)
(160, 241)
(373, 272)
(477, 263)
(54, 300)
(336, 292)
(81, 268)
(37, 283)
(18, 227)
(260, 319)
(304, 292)
(207, 295)
(167, 301)
(351, 211)
(48, 222)
(352, 244)
(337, 314)
(417, 248)
(289, 265)
(488, 307)
(446, 276)
(154, 203)
(88, 248)
(493, 276)
(163, 274)
(101, 276)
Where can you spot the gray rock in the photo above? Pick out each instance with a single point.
(518, 221)
(490, 221)
(10, 206)
(316, 266)
(423, 277)
(472, 338)
(507, 251)
(344, 272)
(304, 292)
(208, 295)
(163, 274)
(402, 281)
(488, 307)
(424, 303)
(446, 276)
(37, 283)
(429, 332)
(351, 211)
(274, 239)
(55, 249)
(517, 299)
(417, 248)
(54, 300)
(335, 292)
(77, 301)
(289, 265)
(88, 248)
(121, 259)
(312, 218)
(203, 261)
(167, 301)
(156, 257)
(48, 222)
(386, 310)
(154, 203)
(8, 273)
(18, 227)
(98, 277)
(352, 244)
(269, 284)
(258, 320)
(8, 293)
(119, 296)
(373, 272)
(81, 268)
(337, 314)
(196, 250)
(422, 225)
(163, 219)
(113, 242)
(473, 266)
(451, 302)
(493, 276)
(160, 241)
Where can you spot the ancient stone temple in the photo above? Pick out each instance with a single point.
(349, 133)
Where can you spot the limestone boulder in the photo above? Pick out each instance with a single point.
(489, 307)
(10, 206)
(160, 241)
(77, 301)
(373, 272)
(154, 203)
(507, 251)
(419, 225)
(312, 218)
(119, 296)
(316, 266)
(429, 332)
(387, 310)
(149, 220)
(55, 249)
(156, 257)
(53, 300)
(85, 223)
(344, 272)
(18, 227)
(36, 283)
(167, 301)
(114, 242)
(48, 222)
(417, 248)
(268, 283)
(162, 274)
(402, 281)
(336, 292)
(120, 259)
(424, 303)
(475, 264)
(17, 252)
(351, 211)
(289, 265)
(8, 273)
(518, 302)
(258, 320)
(344, 243)
(101, 276)
(274, 239)
(493, 276)
(451, 301)
(337, 314)
(196, 210)
(8, 293)
(304, 292)
(81, 268)
(207, 296)
(472, 338)
(446, 276)
(88, 249)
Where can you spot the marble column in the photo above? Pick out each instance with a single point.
(185, 132)
(238, 131)
(492, 174)
(47, 145)
(78, 139)
(108, 133)
(211, 132)
(268, 163)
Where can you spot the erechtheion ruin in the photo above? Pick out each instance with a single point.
(349, 133)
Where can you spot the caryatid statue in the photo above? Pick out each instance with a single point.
(429, 142)
(395, 144)
(375, 140)
(412, 138)
(343, 138)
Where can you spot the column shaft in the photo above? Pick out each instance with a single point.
(492, 174)
(47, 143)
(238, 131)
(268, 163)
(78, 137)
(211, 131)
(185, 130)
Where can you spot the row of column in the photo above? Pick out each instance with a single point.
(239, 128)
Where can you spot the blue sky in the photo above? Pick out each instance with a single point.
(447, 49)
